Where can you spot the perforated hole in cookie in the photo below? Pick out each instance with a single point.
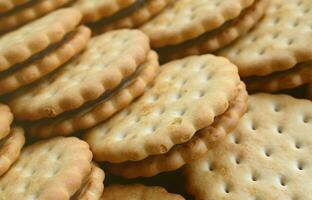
(237, 159)
(282, 181)
(279, 129)
(267, 152)
(298, 145)
(227, 188)
(300, 165)
(209, 166)
(255, 176)
(305, 119)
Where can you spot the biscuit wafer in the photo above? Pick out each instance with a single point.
(278, 43)
(138, 192)
(185, 97)
(187, 19)
(93, 187)
(107, 60)
(6, 118)
(137, 17)
(198, 146)
(268, 156)
(102, 109)
(55, 171)
(21, 16)
(216, 39)
(10, 148)
(93, 10)
(11, 80)
(299, 75)
(21, 44)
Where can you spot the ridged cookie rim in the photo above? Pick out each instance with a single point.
(6, 119)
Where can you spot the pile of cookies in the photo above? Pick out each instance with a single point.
(82, 92)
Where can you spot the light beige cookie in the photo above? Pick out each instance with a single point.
(107, 60)
(138, 192)
(10, 149)
(6, 118)
(93, 10)
(103, 108)
(93, 187)
(268, 156)
(50, 169)
(6, 5)
(188, 19)
(21, 44)
(309, 91)
(194, 149)
(299, 75)
(53, 59)
(217, 39)
(138, 16)
(185, 97)
(275, 45)
(35, 10)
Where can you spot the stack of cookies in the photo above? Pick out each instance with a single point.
(191, 27)
(38, 48)
(192, 102)
(113, 70)
(275, 55)
(104, 15)
(15, 13)
(59, 168)
(11, 139)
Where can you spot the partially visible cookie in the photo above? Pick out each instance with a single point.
(268, 156)
(6, 118)
(21, 44)
(187, 19)
(56, 170)
(25, 74)
(299, 75)
(279, 41)
(107, 60)
(219, 38)
(93, 10)
(133, 17)
(186, 96)
(6, 5)
(138, 192)
(93, 186)
(28, 13)
(194, 149)
(104, 107)
(10, 148)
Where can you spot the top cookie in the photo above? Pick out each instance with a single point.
(107, 60)
(6, 118)
(138, 192)
(6, 5)
(279, 41)
(268, 156)
(47, 170)
(19, 45)
(187, 19)
(185, 97)
(93, 10)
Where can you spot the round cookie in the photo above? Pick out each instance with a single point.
(55, 171)
(104, 107)
(219, 38)
(10, 148)
(107, 60)
(186, 96)
(194, 149)
(292, 78)
(93, 187)
(275, 45)
(187, 19)
(21, 44)
(93, 10)
(268, 156)
(138, 192)
(6, 118)
(53, 59)
(28, 13)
